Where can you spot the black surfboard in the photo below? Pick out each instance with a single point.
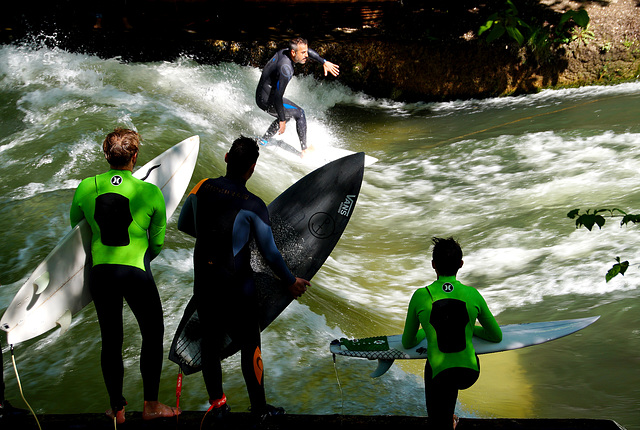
(307, 221)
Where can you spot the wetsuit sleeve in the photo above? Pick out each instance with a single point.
(187, 219)
(489, 329)
(413, 334)
(158, 224)
(315, 56)
(269, 250)
(76, 214)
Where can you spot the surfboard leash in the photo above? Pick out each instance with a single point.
(15, 368)
(178, 393)
(335, 367)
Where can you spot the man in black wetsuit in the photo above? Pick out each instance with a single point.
(273, 82)
(224, 216)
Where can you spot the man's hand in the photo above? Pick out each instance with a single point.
(299, 287)
(329, 67)
(283, 125)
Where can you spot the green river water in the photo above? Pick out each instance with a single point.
(498, 174)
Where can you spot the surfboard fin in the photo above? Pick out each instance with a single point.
(64, 321)
(42, 282)
(383, 366)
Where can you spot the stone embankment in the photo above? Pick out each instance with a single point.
(408, 50)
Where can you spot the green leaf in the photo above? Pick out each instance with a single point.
(485, 27)
(618, 269)
(516, 35)
(566, 17)
(497, 31)
(581, 18)
(574, 213)
(589, 220)
(634, 218)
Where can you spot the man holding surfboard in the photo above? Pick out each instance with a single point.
(225, 217)
(127, 217)
(275, 77)
(447, 311)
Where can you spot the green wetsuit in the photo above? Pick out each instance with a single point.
(128, 221)
(127, 216)
(447, 311)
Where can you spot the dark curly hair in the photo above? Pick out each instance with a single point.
(243, 154)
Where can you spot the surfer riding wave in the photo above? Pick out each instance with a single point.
(275, 77)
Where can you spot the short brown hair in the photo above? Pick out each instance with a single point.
(120, 146)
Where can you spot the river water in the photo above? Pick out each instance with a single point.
(498, 174)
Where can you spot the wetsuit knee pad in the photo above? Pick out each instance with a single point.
(258, 366)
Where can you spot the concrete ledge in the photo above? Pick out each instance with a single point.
(240, 421)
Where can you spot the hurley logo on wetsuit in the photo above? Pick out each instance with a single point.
(116, 180)
(447, 287)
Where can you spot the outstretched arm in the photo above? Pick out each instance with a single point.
(328, 66)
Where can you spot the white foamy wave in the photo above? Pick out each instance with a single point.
(543, 265)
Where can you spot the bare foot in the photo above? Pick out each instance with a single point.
(119, 415)
(125, 22)
(156, 409)
(307, 151)
(455, 421)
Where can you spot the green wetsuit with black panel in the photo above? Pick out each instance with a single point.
(127, 217)
(447, 310)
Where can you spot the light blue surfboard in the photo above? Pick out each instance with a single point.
(386, 349)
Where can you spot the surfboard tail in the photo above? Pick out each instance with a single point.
(383, 365)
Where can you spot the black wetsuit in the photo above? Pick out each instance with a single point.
(270, 94)
(224, 216)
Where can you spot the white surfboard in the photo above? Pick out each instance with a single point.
(386, 349)
(317, 157)
(56, 290)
